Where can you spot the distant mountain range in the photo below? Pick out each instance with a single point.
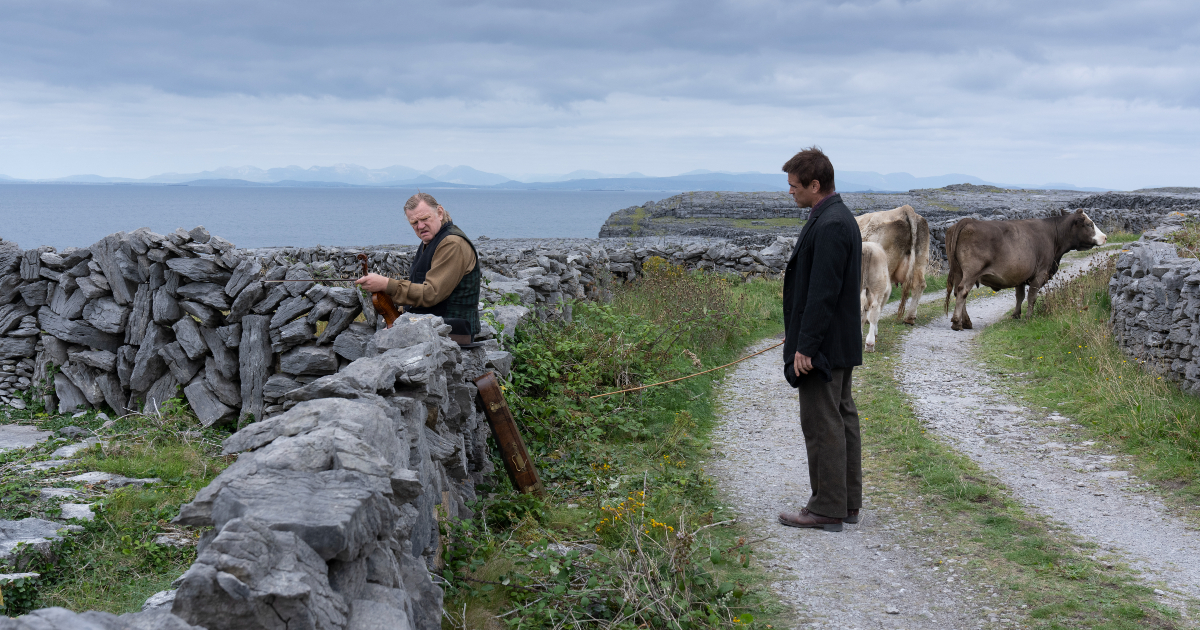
(446, 176)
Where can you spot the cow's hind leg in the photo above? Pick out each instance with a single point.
(1033, 291)
(960, 306)
(1021, 298)
(918, 290)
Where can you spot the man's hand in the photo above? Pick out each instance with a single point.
(802, 364)
(373, 282)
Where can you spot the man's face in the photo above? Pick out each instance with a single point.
(805, 196)
(425, 221)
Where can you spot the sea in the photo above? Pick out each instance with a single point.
(78, 215)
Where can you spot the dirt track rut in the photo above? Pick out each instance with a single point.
(870, 576)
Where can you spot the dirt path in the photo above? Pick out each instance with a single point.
(864, 577)
(1074, 482)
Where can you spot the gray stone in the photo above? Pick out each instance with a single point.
(140, 316)
(408, 330)
(206, 293)
(36, 293)
(106, 315)
(279, 385)
(34, 532)
(208, 317)
(31, 265)
(255, 358)
(246, 272)
(509, 317)
(161, 599)
(73, 432)
(114, 394)
(10, 257)
(70, 450)
(274, 296)
(501, 361)
(58, 493)
(164, 389)
(301, 280)
(178, 362)
(322, 309)
(344, 296)
(199, 234)
(63, 619)
(199, 270)
(290, 310)
(352, 344)
(292, 334)
(76, 332)
(101, 360)
(244, 300)
(12, 314)
(187, 333)
(226, 359)
(11, 347)
(209, 409)
(70, 398)
(84, 378)
(125, 358)
(308, 360)
(231, 334)
(165, 308)
(148, 364)
(107, 254)
(10, 287)
(13, 436)
(81, 511)
(339, 320)
(89, 289)
(223, 387)
(251, 575)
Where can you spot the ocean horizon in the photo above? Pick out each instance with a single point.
(81, 214)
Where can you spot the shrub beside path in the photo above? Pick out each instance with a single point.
(1040, 456)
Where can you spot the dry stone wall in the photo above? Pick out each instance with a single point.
(1156, 305)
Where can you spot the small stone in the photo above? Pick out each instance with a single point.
(81, 511)
(892, 610)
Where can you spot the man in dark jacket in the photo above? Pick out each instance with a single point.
(444, 277)
(823, 342)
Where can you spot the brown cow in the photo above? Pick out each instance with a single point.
(875, 288)
(1003, 254)
(904, 235)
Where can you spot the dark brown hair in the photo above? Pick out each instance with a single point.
(416, 199)
(810, 164)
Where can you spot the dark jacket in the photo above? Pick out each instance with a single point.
(821, 312)
(463, 302)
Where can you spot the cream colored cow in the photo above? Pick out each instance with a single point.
(875, 288)
(904, 236)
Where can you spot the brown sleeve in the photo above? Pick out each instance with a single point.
(452, 260)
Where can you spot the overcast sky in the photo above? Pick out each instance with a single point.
(1094, 93)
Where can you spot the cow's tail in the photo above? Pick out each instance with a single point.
(913, 220)
(955, 272)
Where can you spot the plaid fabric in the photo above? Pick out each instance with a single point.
(463, 302)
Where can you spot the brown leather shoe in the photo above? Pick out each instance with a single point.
(851, 517)
(804, 518)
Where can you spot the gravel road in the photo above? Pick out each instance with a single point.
(867, 576)
(870, 576)
(1080, 484)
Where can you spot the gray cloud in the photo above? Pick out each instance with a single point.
(561, 53)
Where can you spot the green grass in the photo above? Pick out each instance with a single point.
(113, 565)
(934, 283)
(655, 561)
(1066, 359)
(1028, 561)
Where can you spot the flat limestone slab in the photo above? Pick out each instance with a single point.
(82, 511)
(31, 531)
(13, 436)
